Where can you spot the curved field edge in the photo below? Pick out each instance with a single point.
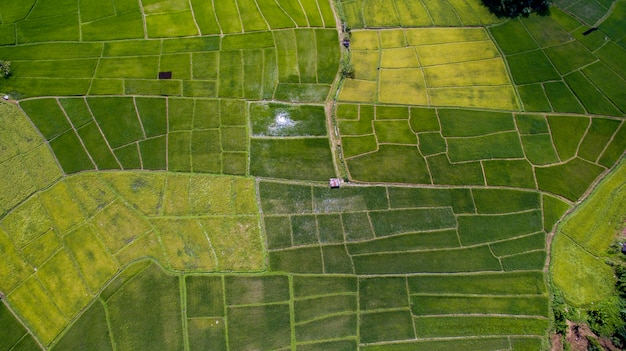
(583, 238)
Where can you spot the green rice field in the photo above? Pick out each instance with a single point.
(165, 169)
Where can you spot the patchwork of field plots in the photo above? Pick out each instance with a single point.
(26, 164)
(32, 21)
(558, 68)
(289, 64)
(429, 66)
(129, 218)
(406, 13)
(185, 135)
(387, 230)
(83, 230)
(312, 312)
(589, 12)
(562, 155)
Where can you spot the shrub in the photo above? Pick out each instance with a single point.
(5, 68)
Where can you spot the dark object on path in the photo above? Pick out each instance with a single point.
(624, 248)
(165, 75)
(346, 43)
(590, 30)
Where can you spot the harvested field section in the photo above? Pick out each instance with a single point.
(423, 72)
(402, 13)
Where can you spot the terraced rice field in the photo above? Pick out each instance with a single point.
(165, 168)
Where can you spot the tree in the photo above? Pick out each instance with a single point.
(5, 68)
(514, 8)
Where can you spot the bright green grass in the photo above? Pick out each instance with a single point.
(48, 116)
(415, 220)
(70, 153)
(493, 146)
(570, 179)
(534, 260)
(333, 327)
(615, 149)
(327, 54)
(512, 283)
(259, 327)
(12, 330)
(397, 324)
(437, 305)
(336, 259)
(545, 30)
(534, 98)
(58, 28)
(567, 132)
(570, 56)
(570, 260)
(460, 199)
(612, 55)
(117, 119)
(611, 85)
(256, 290)
(309, 309)
(391, 163)
(149, 290)
(463, 123)
(440, 345)
(593, 100)
(436, 261)
(597, 137)
(531, 124)
(599, 214)
(90, 331)
(443, 172)
(539, 149)
(479, 325)
(291, 158)
(205, 333)
(512, 37)
(520, 245)
(487, 228)
(205, 296)
(358, 145)
(381, 293)
(350, 199)
(277, 198)
(561, 98)
(357, 226)
(503, 201)
(531, 67)
(299, 260)
(96, 146)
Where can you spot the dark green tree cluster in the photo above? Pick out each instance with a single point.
(514, 8)
(608, 318)
(5, 68)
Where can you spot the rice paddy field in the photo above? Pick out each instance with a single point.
(165, 170)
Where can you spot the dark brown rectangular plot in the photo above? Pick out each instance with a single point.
(165, 75)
